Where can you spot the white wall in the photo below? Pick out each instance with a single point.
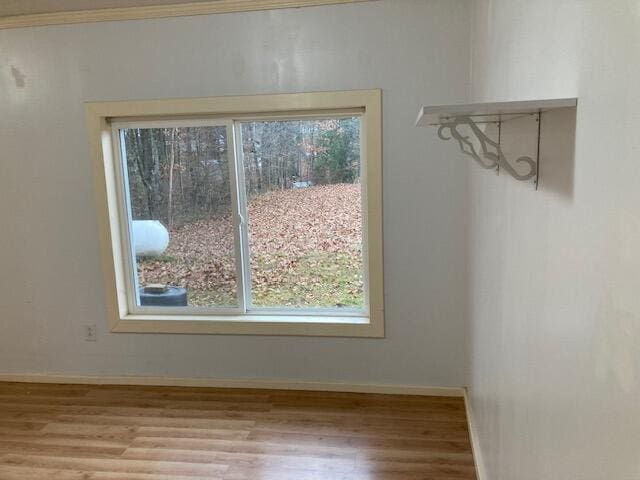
(51, 283)
(554, 276)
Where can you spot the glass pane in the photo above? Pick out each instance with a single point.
(182, 225)
(302, 180)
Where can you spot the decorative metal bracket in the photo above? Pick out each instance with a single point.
(490, 155)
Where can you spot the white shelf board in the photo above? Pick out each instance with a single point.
(490, 112)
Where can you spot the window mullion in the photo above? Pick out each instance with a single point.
(240, 188)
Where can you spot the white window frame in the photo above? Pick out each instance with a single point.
(124, 315)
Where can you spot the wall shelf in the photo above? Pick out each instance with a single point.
(466, 123)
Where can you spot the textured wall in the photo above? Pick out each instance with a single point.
(555, 311)
(51, 279)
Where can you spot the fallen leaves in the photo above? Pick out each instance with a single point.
(305, 249)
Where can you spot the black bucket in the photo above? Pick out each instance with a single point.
(170, 297)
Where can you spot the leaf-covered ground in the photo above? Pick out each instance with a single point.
(305, 251)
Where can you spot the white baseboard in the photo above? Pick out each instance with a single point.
(222, 383)
(481, 472)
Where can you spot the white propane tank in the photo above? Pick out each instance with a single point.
(150, 238)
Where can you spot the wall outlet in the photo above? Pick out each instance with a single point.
(90, 334)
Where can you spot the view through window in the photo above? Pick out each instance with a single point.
(275, 222)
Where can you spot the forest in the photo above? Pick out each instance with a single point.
(177, 175)
(302, 183)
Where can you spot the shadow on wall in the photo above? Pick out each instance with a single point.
(557, 146)
(517, 136)
(557, 152)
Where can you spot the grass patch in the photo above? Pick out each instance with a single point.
(318, 279)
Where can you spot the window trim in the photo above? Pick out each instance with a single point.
(101, 115)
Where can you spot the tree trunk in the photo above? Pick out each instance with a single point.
(155, 175)
(172, 160)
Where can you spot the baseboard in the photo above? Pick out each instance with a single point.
(224, 383)
(481, 472)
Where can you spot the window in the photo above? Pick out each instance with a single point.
(256, 215)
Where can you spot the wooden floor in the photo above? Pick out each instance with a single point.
(73, 432)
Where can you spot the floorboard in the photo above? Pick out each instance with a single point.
(87, 432)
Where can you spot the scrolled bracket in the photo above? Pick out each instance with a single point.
(490, 155)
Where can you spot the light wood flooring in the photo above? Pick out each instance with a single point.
(74, 432)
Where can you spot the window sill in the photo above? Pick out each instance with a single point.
(322, 326)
